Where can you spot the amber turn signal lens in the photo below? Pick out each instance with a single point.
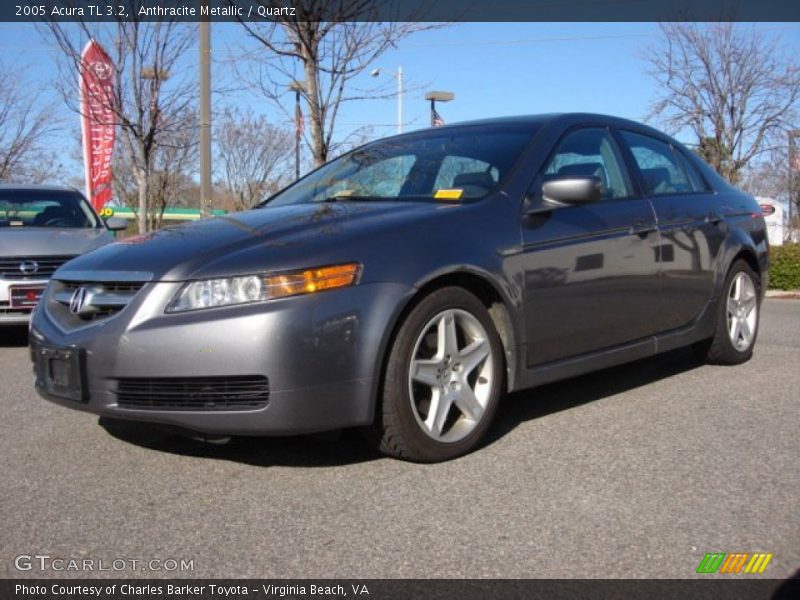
(311, 280)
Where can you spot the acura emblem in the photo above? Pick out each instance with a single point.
(78, 301)
(29, 267)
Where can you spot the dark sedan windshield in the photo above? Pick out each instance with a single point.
(45, 209)
(458, 163)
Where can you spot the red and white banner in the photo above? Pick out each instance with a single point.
(98, 121)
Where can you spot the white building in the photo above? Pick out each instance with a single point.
(775, 217)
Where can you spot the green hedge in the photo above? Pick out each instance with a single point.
(784, 267)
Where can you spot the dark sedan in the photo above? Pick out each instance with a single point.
(405, 286)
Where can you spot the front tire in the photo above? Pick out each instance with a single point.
(737, 319)
(443, 379)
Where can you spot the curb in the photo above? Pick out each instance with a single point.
(784, 294)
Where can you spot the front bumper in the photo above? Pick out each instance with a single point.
(320, 353)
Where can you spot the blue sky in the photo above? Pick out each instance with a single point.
(494, 69)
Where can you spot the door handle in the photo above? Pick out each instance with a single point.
(642, 227)
(714, 218)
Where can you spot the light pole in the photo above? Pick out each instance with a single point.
(438, 97)
(297, 87)
(399, 76)
(399, 99)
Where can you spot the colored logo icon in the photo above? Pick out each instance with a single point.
(738, 562)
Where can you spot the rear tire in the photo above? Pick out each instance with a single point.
(443, 378)
(738, 316)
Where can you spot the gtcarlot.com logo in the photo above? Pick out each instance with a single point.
(738, 562)
(46, 562)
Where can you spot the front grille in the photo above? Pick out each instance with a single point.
(193, 393)
(37, 267)
(103, 300)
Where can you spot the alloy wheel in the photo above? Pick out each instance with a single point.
(742, 311)
(450, 378)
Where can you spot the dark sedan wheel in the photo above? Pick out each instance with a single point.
(443, 379)
(737, 319)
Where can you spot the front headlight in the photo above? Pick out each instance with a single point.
(211, 293)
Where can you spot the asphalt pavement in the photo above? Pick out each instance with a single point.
(635, 471)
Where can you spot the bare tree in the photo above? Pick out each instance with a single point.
(151, 94)
(252, 157)
(733, 88)
(326, 45)
(768, 176)
(24, 127)
(170, 181)
(172, 172)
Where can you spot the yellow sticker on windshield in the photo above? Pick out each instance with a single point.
(448, 194)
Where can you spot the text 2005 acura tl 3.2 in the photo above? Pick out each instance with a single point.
(406, 285)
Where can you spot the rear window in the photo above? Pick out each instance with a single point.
(663, 169)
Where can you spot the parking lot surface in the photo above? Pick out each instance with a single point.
(635, 471)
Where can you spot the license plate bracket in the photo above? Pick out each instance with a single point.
(61, 372)
(24, 296)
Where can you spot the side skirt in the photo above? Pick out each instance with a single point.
(700, 329)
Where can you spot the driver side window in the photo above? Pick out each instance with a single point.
(590, 152)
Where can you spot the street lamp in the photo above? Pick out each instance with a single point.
(399, 76)
(298, 87)
(435, 97)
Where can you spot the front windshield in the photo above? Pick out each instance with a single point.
(45, 209)
(459, 163)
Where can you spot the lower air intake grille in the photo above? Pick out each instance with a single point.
(193, 393)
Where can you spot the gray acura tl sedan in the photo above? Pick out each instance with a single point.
(406, 285)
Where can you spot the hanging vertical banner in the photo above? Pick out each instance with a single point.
(98, 121)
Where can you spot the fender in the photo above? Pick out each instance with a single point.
(742, 240)
(513, 314)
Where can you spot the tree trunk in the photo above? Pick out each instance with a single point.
(142, 181)
(315, 110)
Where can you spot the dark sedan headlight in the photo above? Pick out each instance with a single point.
(229, 291)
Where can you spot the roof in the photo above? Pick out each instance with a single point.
(27, 187)
(576, 117)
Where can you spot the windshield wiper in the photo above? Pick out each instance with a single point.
(348, 198)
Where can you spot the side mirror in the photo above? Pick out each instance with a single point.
(116, 223)
(573, 190)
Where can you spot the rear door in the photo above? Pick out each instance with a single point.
(591, 276)
(691, 230)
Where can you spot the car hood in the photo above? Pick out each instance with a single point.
(269, 238)
(35, 241)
